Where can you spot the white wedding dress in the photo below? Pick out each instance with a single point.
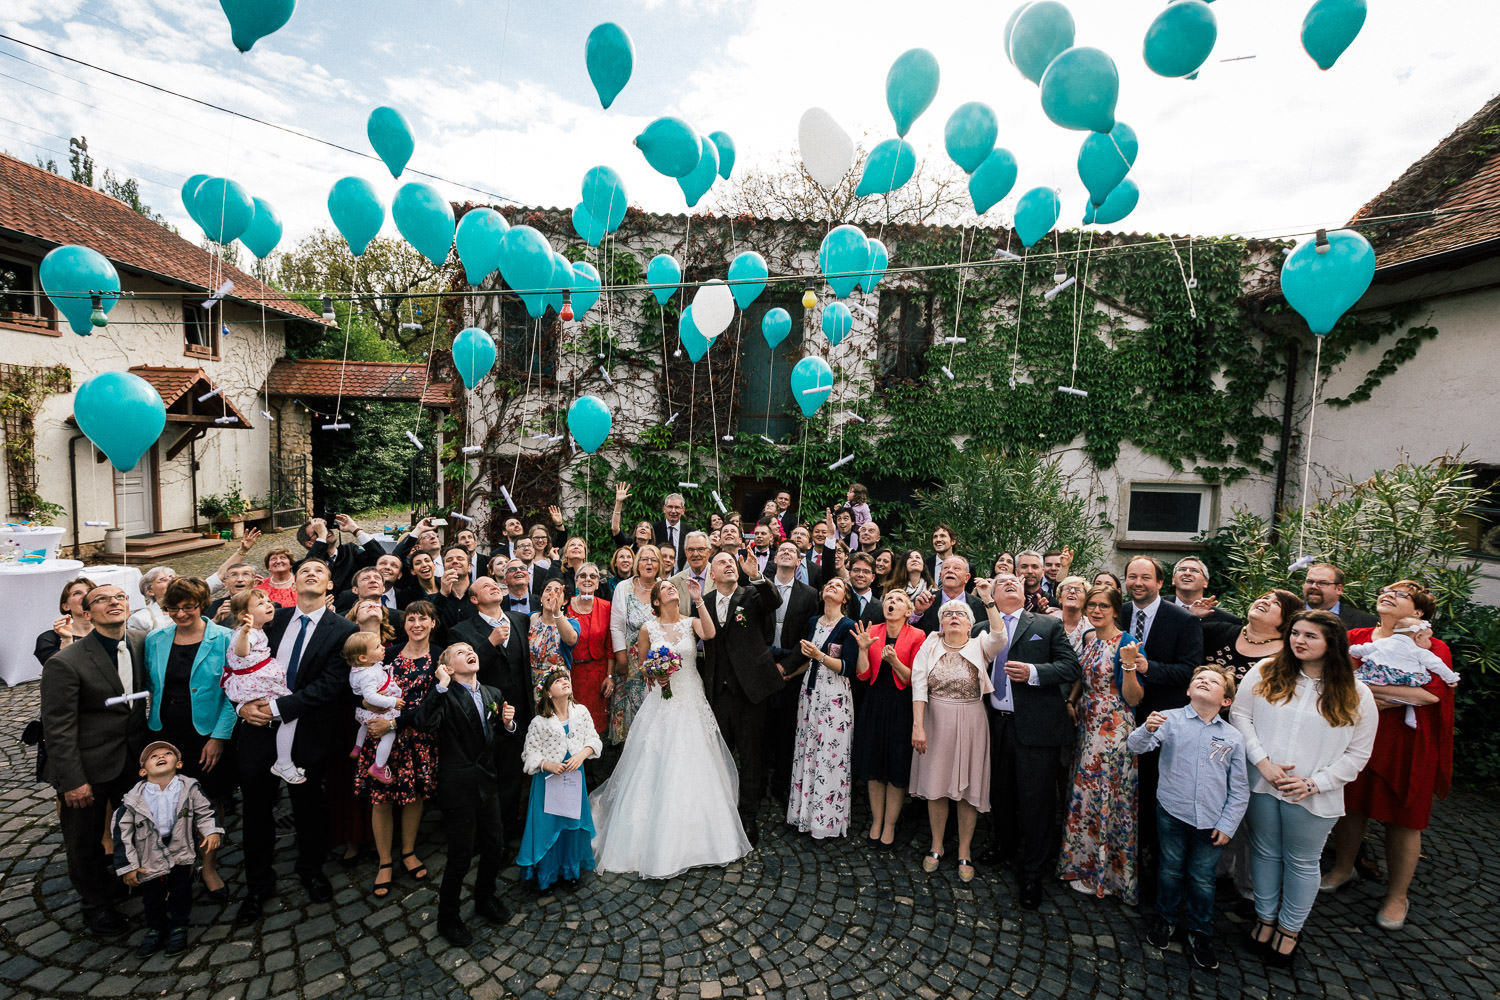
(672, 802)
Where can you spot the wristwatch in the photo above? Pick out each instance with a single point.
(989, 604)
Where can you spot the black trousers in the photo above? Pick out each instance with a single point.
(744, 725)
(780, 737)
(473, 823)
(83, 832)
(1023, 797)
(261, 789)
(169, 898)
(1148, 839)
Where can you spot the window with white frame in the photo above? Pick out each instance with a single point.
(21, 298)
(1168, 512)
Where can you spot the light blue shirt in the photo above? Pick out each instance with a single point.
(1203, 779)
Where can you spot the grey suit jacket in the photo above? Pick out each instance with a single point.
(87, 742)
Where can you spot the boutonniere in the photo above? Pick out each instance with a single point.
(739, 616)
(492, 708)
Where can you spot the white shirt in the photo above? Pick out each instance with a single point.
(1134, 629)
(289, 639)
(164, 803)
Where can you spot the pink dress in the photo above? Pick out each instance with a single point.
(254, 675)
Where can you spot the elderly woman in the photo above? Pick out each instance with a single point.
(184, 663)
(153, 586)
(628, 611)
(552, 635)
(594, 651)
(1239, 647)
(279, 584)
(575, 552)
(882, 727)
(818, 802)
(1070, 597)
(1309, 724)
(70, 624)
(950, 677)
(1408, 767)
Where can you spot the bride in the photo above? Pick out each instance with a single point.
(671, 803)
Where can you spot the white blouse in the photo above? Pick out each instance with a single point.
(980, 650)
(1295, 733)
(546, 740)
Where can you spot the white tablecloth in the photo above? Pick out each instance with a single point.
(28, 593)
(127, 578)
(30, 539)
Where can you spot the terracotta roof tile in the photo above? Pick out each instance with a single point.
(42, 205)
(180, 388)
(392, 380)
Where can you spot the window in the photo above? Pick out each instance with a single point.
(519, 340)
(905, 335)
(200, 332)
(21, 299)
(1480, 530)
(1168, 512)
(766, 404)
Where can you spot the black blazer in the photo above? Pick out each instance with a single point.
(802, 606)
(470, 758)
(348, 559)
(872, 612)
(507, 667)
(1174, 649)
(1353, 617)
(742, 643)
(321, 696)
(929, 621)
(683, 530)
(87, 742)
(841, 636)
(1041, 718)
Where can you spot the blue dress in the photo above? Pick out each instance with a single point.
(555, 847)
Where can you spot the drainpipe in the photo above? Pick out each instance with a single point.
(73, 485)
(1287, 408)
(193, 477)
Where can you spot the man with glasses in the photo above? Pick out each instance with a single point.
(91, 746)
(1189, 586)
(1323, 590)
(673, 530)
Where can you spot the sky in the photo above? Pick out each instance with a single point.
(1263, 143)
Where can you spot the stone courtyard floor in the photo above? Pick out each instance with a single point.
(794, 919)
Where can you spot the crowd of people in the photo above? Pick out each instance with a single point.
(1122, 734)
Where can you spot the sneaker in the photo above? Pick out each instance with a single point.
(150, 944)
(289, 773)
(1159, 934)
(380, 774)
(177, 941)
(1201, 950)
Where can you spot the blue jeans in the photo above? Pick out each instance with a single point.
(1286, 845)
(1188, 862)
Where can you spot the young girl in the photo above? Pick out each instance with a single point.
(561, 737)
(374, 684)
(252, 673)
(859, 503)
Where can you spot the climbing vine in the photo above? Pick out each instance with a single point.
(23, 389)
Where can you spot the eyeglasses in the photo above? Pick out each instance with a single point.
(1097, 606)
(110, 599)
(1320, 583)
(1397, 592)
(186, 609)
(1070, 590)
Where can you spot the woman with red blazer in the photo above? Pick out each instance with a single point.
(882, 728)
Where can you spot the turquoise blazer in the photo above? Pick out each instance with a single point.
(213, 712)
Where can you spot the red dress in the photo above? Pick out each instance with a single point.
(1408, 766)
(592, 655)
(282, 597)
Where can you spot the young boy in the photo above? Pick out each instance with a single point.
(1202, 796)
(154, 837)
(467, 717)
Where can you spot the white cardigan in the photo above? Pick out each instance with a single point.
(1295, 733)
(545, 739)
(980, 651)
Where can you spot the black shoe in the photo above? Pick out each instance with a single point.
(249, 912)
(106, 925)
(150, 944)
(319, 889)
(455, 933)
(1201, 950)
(1159, 933)
(491, 910)
(1031, 894)
(177, 941)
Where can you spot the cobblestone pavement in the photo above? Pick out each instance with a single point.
(794, 919)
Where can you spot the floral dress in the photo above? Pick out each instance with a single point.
(548, 651)
(630, 692)
(414, 755)
(819, 800)
(1099, 845)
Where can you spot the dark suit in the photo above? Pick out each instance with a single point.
(1353, 617)
(740, 676)
(507, 668)
(872, 613)
(91, 744)
(929, 621)
(347, 560)
(802, 606)
(321, 703)
(473, 752)
(1024, 761)
(662, 538)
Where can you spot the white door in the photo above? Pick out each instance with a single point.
(133, 493)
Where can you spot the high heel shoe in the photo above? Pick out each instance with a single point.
(1257, 943)
(219, 895)
(383, 889)
(1275, 956)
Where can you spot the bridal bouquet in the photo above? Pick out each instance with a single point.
(661, 663)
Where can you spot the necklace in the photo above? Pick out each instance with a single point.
(953, 647)
(1245, 634)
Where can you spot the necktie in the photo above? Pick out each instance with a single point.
(998, 676)
(122, 664)
(295, 660)
(387, 600)
(1140, 625)
(723, 608)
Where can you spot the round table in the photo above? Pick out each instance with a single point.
(28, 593)
(26, 539)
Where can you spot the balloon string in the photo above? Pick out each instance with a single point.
(348, 325)
(1015, 350)
(1186, 287)
(802, 476)
(770, 371)
(437, 310)
(958, 307)
(521, 402)
(1078, 303)
(734, 377)
(666, 374)
(713, 409)
(691, 408)
(1307, 452)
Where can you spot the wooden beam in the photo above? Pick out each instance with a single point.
(187, 438)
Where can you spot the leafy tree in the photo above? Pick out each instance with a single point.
(375, 465)
(128, 190)
(80, 161)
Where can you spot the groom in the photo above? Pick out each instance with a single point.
(739, 672)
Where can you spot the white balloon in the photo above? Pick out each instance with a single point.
(713, 308)
(827, 150)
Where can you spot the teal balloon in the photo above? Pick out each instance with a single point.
(671, 147)
(526, 265)
(811, 372)
(122, 414)
(970, 134)
(879, 260)
(70, 276)
(1323, 286)
(1079, 90)
(586, 288)
(252, 20)
(190, 188)
(1330, 27)
(1036, 214)
(747, 278)
(775, 326)
(562, 278)
(1041, 32)
(603, 191)
(910, 86)
(478, 238)
(1120, 203)
(692, 338)
(837, 321)
(663, 274)
(616, 216)
(390, 136)
(696, 184)
(1010, 26)
(473, 355)
(993, 180)
(726, 152)
(588, 228)
(425, 218)
(356, 211)
(225, 209)
(890, 165)
(1181, 38)
(265, 229)
(1105, 158)
(843, 258)
(589, 421)
(610, 57)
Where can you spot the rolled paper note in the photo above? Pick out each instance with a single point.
(948, 373)
(124, 699)
(670, 420)
(411, 326)
(766, 439)
(1057, 289)
(210, 394)
(413, 439)
(460, 517)
(605, 372)
(843, 461)
(719, 502)
(335, 427)
(687, 485)
(508, 501)
(1072, 391)
(955, 340)
(857, 418)
(727, 437)
(472, 449)
(817, 389)
(273, 420)
(96, 524)
(1007, 254)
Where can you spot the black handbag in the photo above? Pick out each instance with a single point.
(32, 737)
